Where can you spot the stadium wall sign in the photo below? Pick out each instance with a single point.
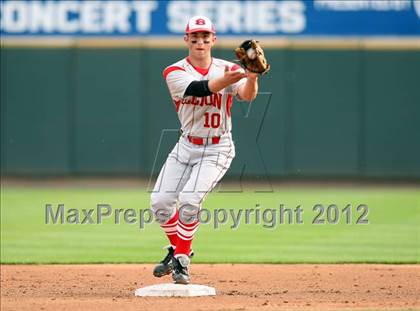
(166, 18)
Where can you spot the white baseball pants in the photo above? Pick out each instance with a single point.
(188, 175)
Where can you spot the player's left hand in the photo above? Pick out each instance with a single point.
(251, 57)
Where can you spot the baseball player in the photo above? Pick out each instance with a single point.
(202, 90)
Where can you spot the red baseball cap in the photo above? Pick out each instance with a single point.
(200, 23)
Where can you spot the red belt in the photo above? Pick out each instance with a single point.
(203, 141)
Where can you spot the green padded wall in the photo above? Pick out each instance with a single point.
(107, 111)
(324, 113)
(392, 112)
(110, 94)
(35, 101)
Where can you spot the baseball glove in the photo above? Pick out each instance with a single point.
(251, 56)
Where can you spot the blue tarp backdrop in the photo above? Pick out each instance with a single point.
(163, 18)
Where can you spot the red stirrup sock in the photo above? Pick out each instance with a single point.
(170, 229)
(185, 236)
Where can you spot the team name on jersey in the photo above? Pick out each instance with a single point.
(214, 100)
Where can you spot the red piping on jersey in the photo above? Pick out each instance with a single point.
(177, 104)
(229, 104)
(202, 71)
(169, 69)
(229, 99)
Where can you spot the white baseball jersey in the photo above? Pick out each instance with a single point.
(201, 116)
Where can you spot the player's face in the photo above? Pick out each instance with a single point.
(200, 43)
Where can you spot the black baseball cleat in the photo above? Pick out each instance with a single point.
(165, 267)
(180, 273)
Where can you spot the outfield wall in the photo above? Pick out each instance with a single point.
(345, 112)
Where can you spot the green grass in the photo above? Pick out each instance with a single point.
(392, 235)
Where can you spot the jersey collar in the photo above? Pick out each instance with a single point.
(202, 71)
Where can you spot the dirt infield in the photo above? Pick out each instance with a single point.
(239, 287)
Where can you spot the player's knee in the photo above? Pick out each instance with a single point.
(163, 206)
(188, 208)
(188, 213)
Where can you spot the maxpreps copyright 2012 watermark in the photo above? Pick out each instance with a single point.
(268, 218)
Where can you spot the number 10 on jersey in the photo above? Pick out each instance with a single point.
(212, 120)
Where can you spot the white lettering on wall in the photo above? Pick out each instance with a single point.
(15, 16)
(241, 16)
(144, 11)
(64, 23)
(116, 17)
(77, 16)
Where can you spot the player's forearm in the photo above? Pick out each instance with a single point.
(218, 84)
(249, 90)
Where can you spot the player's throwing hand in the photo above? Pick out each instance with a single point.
(233, 76)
